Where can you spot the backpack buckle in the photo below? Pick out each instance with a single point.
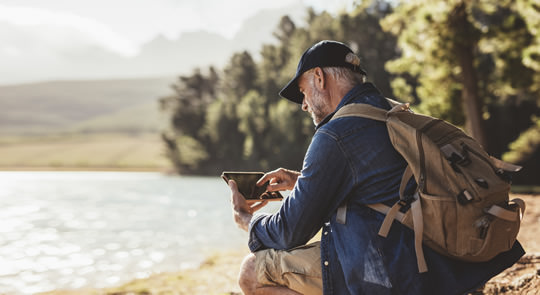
(454, 156)
(406, 201)
(464, 197)
(504, 175)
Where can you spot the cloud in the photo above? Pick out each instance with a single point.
(57, 30)
(77, 39)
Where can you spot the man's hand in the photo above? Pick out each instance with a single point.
(280, 179)
(242, 209)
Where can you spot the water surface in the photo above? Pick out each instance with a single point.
(65, 230)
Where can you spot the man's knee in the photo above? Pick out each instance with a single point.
(247, 278)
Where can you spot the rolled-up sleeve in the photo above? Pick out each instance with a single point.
(254, 243)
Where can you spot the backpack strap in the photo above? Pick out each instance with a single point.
(504, 165)
(418, 226)
(361, 110)
(508, 214)
(365, 111)
(391, 214)
(371, 112)
(407, 174)
(375, 113)
(418, 221)
(384, 209)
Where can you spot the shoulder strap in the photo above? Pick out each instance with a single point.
(375, 113)
(361, 110)
(368, 111)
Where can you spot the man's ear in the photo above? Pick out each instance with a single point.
(320, 79)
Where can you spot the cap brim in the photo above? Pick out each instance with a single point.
(292, 92)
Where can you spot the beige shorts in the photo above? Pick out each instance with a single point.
(298, 269)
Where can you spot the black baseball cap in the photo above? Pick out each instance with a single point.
(323, 54)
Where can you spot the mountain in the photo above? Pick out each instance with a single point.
(123, 105)
(94, 90)
(162, 56)
(158, 57)
(259, 28)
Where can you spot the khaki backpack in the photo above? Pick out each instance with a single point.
(461, 206)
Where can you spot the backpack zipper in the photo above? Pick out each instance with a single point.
(451, 137)
(422, 181)
(448, 140)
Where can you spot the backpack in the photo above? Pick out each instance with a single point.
(461, 205)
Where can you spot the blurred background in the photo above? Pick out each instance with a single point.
(191, 86)
(115, 114)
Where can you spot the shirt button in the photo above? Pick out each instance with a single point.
(325, 233)
(326, 263)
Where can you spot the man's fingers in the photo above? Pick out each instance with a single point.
(232, 185)
(273, 187)
(269, 176)
(258, 206)
(263, 179)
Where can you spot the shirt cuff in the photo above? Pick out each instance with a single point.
(254, 243)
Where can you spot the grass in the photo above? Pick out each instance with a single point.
(99, 151)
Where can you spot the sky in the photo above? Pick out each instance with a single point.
(38, 30)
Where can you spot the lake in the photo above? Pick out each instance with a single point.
(68, 230)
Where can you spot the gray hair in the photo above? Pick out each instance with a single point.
(345, 76)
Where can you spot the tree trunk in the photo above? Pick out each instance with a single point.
(464, 46)
(472, 103)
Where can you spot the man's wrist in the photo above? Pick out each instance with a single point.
(242, 219)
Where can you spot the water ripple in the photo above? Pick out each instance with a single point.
(64, 230)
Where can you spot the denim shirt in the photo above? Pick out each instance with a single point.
(351, 159)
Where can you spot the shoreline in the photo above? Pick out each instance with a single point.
(217, 273)
(83, 169)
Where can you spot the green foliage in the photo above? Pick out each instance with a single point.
(236, 120)
(428, 67)
(188, 105)
(191, 151)
(525, 146)
(463, 61)
(251, 112)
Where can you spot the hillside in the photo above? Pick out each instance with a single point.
(96, 151)
(94, 105)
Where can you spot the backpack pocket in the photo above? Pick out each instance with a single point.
(496, 233)
(440, 216)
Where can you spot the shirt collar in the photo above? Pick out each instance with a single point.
(356, 92)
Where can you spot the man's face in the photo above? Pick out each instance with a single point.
(315, 102)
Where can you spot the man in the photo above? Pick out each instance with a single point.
(349, 160)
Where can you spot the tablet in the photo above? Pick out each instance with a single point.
(246, 182)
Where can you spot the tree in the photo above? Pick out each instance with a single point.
(469, 62)
(431, 53)
(187, 105)
(239, 76)
(245, 125)
(525, 147)
(274, 58)
(361, 29)
(460, 53)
